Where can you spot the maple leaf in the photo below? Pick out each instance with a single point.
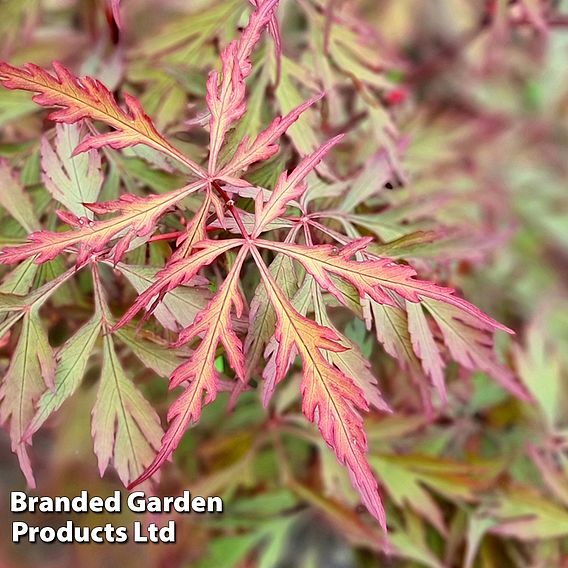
(72, 180)
(85, 97)
(125, 427)
(274, 29)
(31, 368)
(226, 92)
(72, 359)
(178, 307)
(330, 399)
(23, 384)
(214, 325)
(374, 278)
(465, 328)
(137, 218)
(288, 187)
(264, 146)
(177, 273)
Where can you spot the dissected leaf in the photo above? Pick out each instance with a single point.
(226, 92)
(178, 307)
(262, 318)
(138, 217)
(88, 98)
(126, 429)
(72, 180)
(155, 356)
(31, 368)
(469, 344)
(72, 359)
(199, 371)
(330, 398)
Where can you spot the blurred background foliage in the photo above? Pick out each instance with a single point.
(457, 120)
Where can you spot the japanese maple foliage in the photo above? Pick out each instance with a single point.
(305, 261)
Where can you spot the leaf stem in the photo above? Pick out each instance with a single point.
(231, 206)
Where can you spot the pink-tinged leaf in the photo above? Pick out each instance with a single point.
(71, 180)
(264, 146)
(115, 9)
(274, 30)
(466, 330)
(251, 34)
(262, 318)
(350, 361)
(425, 347)
(138, 217)
(470, 343)
(177, 273)
(371, 180)
(226, 92)
(375, 278)
(195, 231)
(178, 307)
(24, 383)
(214, 322)
(331, 400)
(391, 329)
(214, 325)
(288, 188)
(126, 429)
(226, 101)
(87, 98)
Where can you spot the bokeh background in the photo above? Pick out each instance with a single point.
(474, 118)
